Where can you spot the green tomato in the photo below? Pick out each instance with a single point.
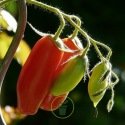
(98, 81)
(70, 75)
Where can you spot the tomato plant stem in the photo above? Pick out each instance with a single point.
(54, 10)
(15, 42)
(94, 42)
(96, 48)
(69, 19)
(78, 21)
(106, 47)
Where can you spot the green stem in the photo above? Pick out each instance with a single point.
(68, 18)
(78, 21)
(16, 40)
(116, 77)
(111, 101)
(54, 10)
(94, 42)
(111, 86)
(105, 46)
(89, 39)
(96, 48)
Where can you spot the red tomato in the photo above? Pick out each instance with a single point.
(36, 75)
(51, 102)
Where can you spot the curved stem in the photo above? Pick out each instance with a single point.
(77, 27)
(96, 48)
(117, 79)
(15, 42)
(105, 46)
(111, 86)
(89, 39)
(36, 31)
(54, 10)
(111, 100)
(68, 18)
(78, 21)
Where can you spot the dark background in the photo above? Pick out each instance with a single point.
(104, 20)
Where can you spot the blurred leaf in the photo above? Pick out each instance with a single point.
(12, 7)
(22, 51)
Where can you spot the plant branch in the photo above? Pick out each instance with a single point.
(78, 21)
(15, 42)
(54, 10)
(69, 19)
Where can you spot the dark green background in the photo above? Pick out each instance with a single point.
(104, 20)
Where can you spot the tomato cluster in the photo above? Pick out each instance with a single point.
(49, 72)
(55, 66)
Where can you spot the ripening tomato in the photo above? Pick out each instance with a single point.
(52, 102)
(35, 78)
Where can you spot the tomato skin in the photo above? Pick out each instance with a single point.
(36, 75)
(52, 102)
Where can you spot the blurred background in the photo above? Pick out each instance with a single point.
(104, 20)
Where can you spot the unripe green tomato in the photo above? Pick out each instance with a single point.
(70, 75)
(98, 82)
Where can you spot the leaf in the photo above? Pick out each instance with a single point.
(12, 7)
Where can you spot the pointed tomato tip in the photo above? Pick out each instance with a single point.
(95, 104)
(27, 110)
